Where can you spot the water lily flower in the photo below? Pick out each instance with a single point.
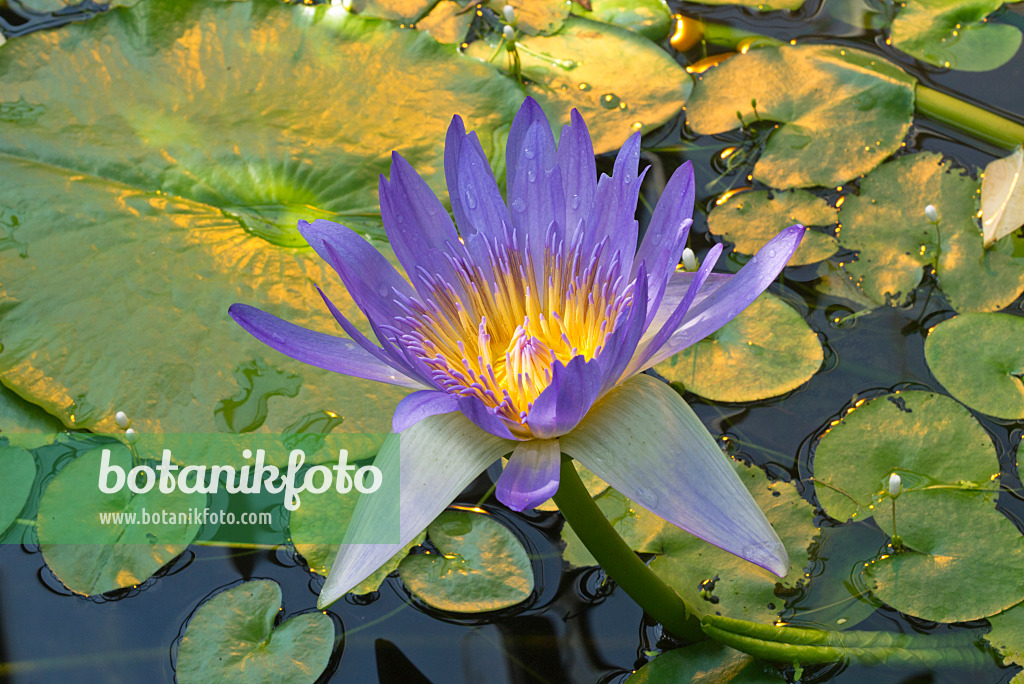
(528, 335)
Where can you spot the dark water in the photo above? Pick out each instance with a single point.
(576, 627)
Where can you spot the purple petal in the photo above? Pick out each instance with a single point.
(369, 278)
(531, 475)
(644, 441)
(433, 460)
(483, 418)
(579, 170)
(573, 390)
(419, 405)
(733, 296)
(529, 114)
(318, 349)
(622, 343)
(535, 196)
(677, 288)
(615, 205)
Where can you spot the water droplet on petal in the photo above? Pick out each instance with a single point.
(382, 290)
(528, 153)
(531, 175)
(771, 253)
(518, 204)
(645, 497)
(470, 199)
(574, 202)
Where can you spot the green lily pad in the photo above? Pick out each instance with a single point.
(962, 561)
(327, 517)
(837, 596)
(535, 16)
(924, 437)
(1002, 197)
(447, 22)
(481, 567)
(750, 219)
(232, 637)
(895, 241)
(766, 351)
(90, 557)
(650, 18)
(396, 10)
(690, 565)
(954, 34)
(19, 469)
(46, 6)
(24, 424)
(581, 67)
(176, 216)
(1007, 636)
(760, 5)
(979, 359)
(708, 662)
(842, 110)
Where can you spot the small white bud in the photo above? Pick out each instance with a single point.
(895, 484)
(131, 435)
(689, 260)
(509, 33)
(121, 418)
(932, 213)
(347, 5)
(509, 13)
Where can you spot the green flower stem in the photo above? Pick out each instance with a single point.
(968, 118)
(658, 599)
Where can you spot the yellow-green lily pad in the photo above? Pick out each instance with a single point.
(24, 424)
(535, 16)
(760, 5)
(1007, 636)
(962, 559)
(896, 241)
(481, 566)
(979, 358)
(708, 662)
(954, 34)
(922, 436)
(842, 111)
(235, 636)
(750, 219)
(764, 352)
(19, 469)
(650, 18)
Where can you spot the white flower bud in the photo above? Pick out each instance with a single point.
(509, 33)
(121, 418)
(131, 435)
(932, 213)
(895, 483)
(347, 4)
(689, 260)
(509, 13)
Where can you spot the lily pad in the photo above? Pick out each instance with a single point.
(650, 18)
(24, 424)
(1002, 197)
(766, 351)
(708, 662)
(535, 16)
(924, 437)
(447, 22)
(842, 110)
(760, 5)
(180, 196)
(481, 566)
(396, 10)
(896, 241)
(962, 561)
(232, 637)
(750, 219)
(581, 67)
(954, 34)
(19, 469)
(980, 360)
(1007, 636)
(46, 6)
(90, 557)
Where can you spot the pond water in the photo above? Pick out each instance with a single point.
(576, 627)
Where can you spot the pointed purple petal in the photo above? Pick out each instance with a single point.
(615, 205)
(579, 170)
(529, 114)
(732, 297)
(535, 196)
(419, 405)
(481, 416)
(644, 441)
(622, 343)
(434, 460)
(318, 349)
(531, 475)
(677, 288)
(573, 390)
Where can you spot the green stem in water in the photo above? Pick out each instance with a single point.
(621, 563)
(968, 118)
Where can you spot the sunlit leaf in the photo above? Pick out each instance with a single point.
(90, 557)
(397, 10)
(707, 662)
(750, 219)
(186, 142)
(581, 67)
(535, 16)
(25, 424)
(481, 565)
(954, 34)
(447, 22)
(651, 18)
(896, 241)
(924, 437)
(842, 110)
(1002, 197)
(19, 474)
(235, 637)
(979, 358)
(962, 559)
(762, 5)
(1007, 636)
(766, 351)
